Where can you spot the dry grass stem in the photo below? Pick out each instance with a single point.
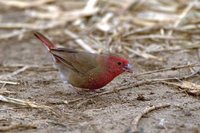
(29, 26)
(154, 37)
(8, 82)
(128, 86)
(15, 33)
(183, 15)
(147, 110)
(14, 73)
(168, 69)
(60, 19)
(24, 4)
(143, 54)
(16, 127)
(80, 42)
(22, 102)
(91, 4)
(189, 87)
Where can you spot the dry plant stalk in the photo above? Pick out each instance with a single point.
(16, 126)
(61, 18)
(24, 4)
(183, 15)
(8, 82)
(5, 91)
(14, 73)
(23, 103)
(189, 87)
(168, 69)
(80, 42)
(147, 110)
(130, 86)
(143, 54)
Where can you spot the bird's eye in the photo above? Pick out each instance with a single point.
(119, 63)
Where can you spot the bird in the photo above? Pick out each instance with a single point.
(88, 71)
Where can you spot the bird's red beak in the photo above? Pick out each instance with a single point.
(128, 68)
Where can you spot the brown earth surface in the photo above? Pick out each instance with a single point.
(104, 113)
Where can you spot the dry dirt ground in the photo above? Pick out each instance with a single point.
(108, 113)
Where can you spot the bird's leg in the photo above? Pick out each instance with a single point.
(99, 90)
(82, 91)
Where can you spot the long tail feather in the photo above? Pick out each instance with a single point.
(45, 41)
(49, 45)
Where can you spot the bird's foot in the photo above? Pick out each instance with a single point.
(89, 92)
(81, 92)
(99, 90)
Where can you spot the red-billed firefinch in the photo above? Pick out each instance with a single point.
(85, 70)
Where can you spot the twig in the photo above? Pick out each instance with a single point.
(183, 15)
(103, 24)
(44, 66)
(25, 4)
(90, 5)
(69, 16)
(80, 41)
(27, 104)
(141, 30)
(156, 28)
(17, 26)
(14, 73)
(147, 110)
(3, 90)
(17, 126)
(143, 54)
(126, 87)
(19, 71)
(156, 36)
(60, 20)
(8, 82)
(22, 102)
(132, 85)
(12, 34)
(32, 68)
(168, 69)
(134, 4)
(31, 26)
(189, 87)
(196, 46)
(6, 92)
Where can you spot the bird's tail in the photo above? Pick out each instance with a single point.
(48, 44)
(45, 41)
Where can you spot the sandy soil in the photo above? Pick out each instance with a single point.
(109, 113)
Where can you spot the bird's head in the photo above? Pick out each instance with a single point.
(118, 65)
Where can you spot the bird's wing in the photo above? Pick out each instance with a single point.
(77, 61)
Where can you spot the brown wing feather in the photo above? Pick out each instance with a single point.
(77, 61)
